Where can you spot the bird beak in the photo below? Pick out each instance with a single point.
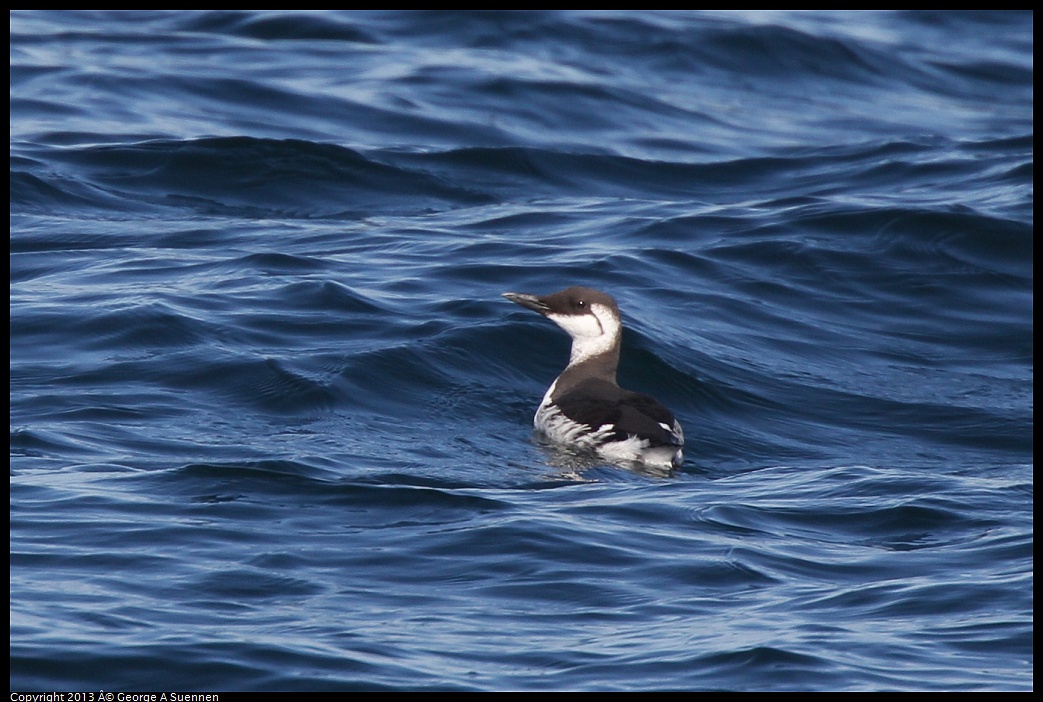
(528, 301)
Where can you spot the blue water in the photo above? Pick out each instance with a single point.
(271, 419)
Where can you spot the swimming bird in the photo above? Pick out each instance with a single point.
(584, 406)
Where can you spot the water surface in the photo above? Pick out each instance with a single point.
(271, 419)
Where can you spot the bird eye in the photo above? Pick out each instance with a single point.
(582, 304)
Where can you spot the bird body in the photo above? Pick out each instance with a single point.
(584, 406)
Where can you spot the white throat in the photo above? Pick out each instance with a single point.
(592, 334)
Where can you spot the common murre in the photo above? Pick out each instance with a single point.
(584, 406)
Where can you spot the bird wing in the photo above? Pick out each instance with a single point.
(599, 403)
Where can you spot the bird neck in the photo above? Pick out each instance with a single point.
(600, 365)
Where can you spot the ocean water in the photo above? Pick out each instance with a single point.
(271, 419)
